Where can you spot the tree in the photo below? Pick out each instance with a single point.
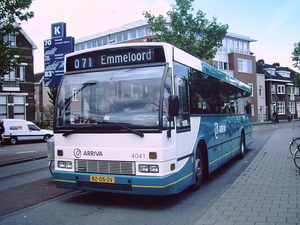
(11, 13)
(195, 35)
(296, 59)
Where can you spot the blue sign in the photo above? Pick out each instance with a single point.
(58, 30)
(54, 53)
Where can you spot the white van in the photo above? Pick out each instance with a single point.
(22, 130)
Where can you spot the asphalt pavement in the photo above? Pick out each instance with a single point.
(267, 192)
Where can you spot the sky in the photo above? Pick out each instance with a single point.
(274, 24)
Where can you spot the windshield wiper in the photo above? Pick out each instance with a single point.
(127, 128)
(67, 133)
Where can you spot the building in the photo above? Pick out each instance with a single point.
(17, 87)
(281, 96)
(42, 98)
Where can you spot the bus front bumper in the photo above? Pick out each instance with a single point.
(140, 185)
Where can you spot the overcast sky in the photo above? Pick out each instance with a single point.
(275, 24)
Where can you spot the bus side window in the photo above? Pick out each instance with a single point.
(183, 120)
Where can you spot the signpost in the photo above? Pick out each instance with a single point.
(54, 53)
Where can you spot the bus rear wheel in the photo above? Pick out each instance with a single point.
(198, 171)
(242, 146)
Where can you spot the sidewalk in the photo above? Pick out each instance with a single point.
(267, 192)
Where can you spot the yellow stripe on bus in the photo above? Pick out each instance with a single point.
(226, 154)
(144, 186)
(69, 181)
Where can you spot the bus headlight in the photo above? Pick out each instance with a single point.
(148, 168)
(65, 164)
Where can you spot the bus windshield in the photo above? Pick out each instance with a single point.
(131, 96)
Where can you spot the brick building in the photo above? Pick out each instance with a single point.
(17, 87)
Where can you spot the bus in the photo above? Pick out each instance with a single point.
(146, 119)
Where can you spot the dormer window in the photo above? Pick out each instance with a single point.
(271, 71)
(284, 73)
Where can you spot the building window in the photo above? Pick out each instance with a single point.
(125, 36)
(3, 107)
(21, 73)
(10, 40)
(280, 89)
(291, 107)
(133, 34)
(220, 65)
(94, 44)
(273, 90)
(89, 44)
(244, 66)
(148, 31)
(119, 38)
(141, 32)
(19, 107)
(281, 108)
(105, 41)
(100, 43)
(284, 74)
(260, 91)
(251, 87)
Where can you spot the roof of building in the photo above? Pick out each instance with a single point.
(38, 78)
(276, 70)
(34, 46)
(141, 23)
(122, 28)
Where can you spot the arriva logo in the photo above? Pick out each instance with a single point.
(216, 130)
(77, 153)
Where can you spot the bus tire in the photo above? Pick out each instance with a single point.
(198, 171)
(242, 146)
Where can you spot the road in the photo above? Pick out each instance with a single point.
(50, 205)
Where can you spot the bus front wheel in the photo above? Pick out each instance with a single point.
(198, 171)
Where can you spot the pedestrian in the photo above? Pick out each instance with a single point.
(2, 130)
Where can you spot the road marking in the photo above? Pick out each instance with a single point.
(25, 152)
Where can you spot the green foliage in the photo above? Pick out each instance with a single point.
(195, 35)
(296, 55)
(296, 59)
(296, 80)
(11, 13)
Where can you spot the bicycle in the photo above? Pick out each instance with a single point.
(297, 158)
(294, 145)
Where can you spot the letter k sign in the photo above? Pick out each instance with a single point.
(58, 30)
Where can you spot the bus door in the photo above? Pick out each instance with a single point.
(183, 123)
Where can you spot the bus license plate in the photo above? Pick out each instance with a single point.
(102, 179)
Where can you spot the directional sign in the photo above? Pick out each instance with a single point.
(54, 53)
(58, 30)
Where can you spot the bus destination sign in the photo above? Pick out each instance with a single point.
(115, 57)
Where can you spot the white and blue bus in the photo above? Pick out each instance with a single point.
(146, 118)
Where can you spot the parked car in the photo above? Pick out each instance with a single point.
(22, 130)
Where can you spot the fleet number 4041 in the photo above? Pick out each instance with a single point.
(138, 156)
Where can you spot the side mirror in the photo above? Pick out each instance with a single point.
(173, 106)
